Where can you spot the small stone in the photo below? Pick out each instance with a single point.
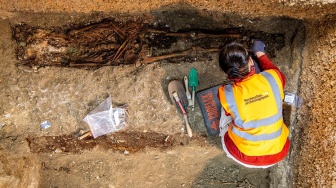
(2, 125)
(193, 34)
(58, 150)
(45, 124)
(35, 68)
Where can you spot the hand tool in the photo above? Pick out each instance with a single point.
(193, 82)
(177, 99)
(176, 85)
(187, 91)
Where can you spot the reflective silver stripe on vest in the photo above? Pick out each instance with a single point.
(275, 88)
(233, 105)
(258, 137)
(277, 96)
(255, 123)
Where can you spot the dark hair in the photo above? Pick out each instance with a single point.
(233, 60)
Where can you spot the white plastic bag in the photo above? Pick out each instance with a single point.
(224, 123)
(105, 119)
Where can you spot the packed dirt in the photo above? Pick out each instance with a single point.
(153, 150)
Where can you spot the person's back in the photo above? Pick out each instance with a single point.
(257, 136)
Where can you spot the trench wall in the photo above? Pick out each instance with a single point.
(312, 9)
(313, 152)
(316, 133)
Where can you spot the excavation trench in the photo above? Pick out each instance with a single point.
(67, 68)
(112, 43)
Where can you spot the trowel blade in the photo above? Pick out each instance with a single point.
(177, 86)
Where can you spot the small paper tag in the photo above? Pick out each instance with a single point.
(289, 98)
(116, 117)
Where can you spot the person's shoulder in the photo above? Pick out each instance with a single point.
(227, 87)
(222, 87)
(271, 71)
(276, 74)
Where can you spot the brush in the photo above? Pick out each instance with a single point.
(177, 99)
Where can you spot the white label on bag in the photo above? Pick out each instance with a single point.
(289, 98)
(116, 117)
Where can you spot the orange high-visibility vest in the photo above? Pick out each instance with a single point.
(255, 105)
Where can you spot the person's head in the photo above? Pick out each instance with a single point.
(235, 60)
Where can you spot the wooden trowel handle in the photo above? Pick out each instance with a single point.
(177, 99)
(187, 125)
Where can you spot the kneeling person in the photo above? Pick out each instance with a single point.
(254, 134)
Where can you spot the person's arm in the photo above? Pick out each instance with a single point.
(265, 62)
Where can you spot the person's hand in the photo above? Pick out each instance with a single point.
(258, 46)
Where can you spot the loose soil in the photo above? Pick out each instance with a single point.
(153, 150)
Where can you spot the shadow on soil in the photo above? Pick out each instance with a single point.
(224, 172)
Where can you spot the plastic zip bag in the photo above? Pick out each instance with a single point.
(106, 119)
(293, 99)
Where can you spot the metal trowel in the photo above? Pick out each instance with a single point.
(193, 83)
(179, 99)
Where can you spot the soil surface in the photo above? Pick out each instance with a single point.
(153, 150)
(316, 128)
